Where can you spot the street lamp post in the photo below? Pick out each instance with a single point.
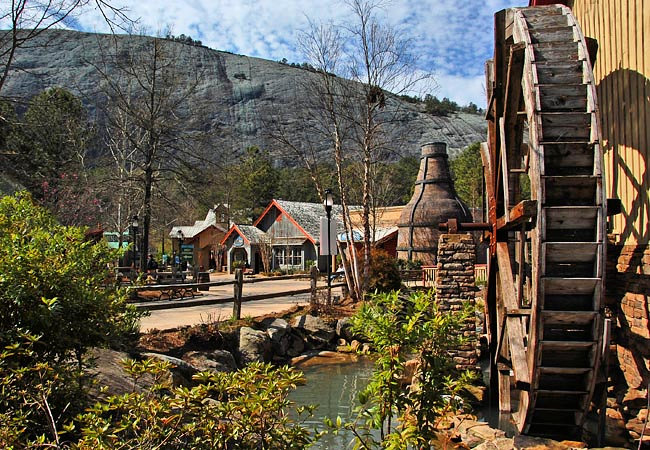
(134, 227)
(328, 202)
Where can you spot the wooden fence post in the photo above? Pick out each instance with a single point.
(237, 287)
(313, 273)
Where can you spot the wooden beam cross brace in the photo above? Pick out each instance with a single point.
(518, 215)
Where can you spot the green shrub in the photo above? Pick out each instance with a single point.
(238, 265)
(52, 284)
(54, 305)
(36, 396)
(246, 409)
(398, 327)
(384, 273)
(405, 264)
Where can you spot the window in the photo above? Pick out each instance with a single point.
(288, 256)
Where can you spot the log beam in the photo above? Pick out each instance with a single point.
(514, 328)
(521, 213)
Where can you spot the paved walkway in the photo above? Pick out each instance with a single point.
(164, 319)
(191, 315)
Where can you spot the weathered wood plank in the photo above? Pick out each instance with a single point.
(564, 98)
(521, 213)
(569, 190)
(571, 251)
(554, 34)
(568, 317)
(560, 73)
(543, 21)
(557, 53)
(571, 217)
(566, 119)
(565, 370)
(570, 269)
(519, 312)
(546, 345)
(513, 324)
(545, 11)
(570, 286)
(504, 166)
(564, 159)
(504, 391)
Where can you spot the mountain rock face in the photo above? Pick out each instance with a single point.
(237, 100)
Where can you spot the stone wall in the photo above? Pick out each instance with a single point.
(628, 296)
(455, 287)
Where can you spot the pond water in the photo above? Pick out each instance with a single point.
(334, 388)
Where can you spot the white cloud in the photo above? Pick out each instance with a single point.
(452, 37)
(460, 89)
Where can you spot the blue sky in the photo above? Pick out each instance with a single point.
(452, 38)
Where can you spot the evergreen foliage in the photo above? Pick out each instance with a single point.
(257, 181)
(467, 173)
(384, 273)
(49, 141)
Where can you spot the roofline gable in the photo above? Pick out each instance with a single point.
(285, 213)
(239, 232)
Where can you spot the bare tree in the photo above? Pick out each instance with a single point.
(121, 177)
(27, 19)
(265, 246)
(146, 99)
(356, 117)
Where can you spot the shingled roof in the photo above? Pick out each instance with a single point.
(253, 234)
(190, 231)
(308, 215)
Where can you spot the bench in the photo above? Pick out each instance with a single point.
(173, 292)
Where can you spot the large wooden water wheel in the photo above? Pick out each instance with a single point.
(546, 208)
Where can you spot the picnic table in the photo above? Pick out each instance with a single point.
(177, 287)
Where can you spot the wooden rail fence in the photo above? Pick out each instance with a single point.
(238, 297)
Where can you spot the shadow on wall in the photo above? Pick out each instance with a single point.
(624, 99)
(628, 288)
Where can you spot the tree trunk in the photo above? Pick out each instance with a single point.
(144, 243)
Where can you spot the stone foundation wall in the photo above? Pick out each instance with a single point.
(628, 296)
(455, 287)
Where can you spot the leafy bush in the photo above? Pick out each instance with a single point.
(244, 409)
(384, 273)
(405, 264)
(35, 395)
(52, 284)
(53, 307)
(399, 326)
(247, 409)
(238, 264)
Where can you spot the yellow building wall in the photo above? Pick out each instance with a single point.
(387, 216)
(622, 72)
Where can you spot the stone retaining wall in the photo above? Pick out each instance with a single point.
(455, 287)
